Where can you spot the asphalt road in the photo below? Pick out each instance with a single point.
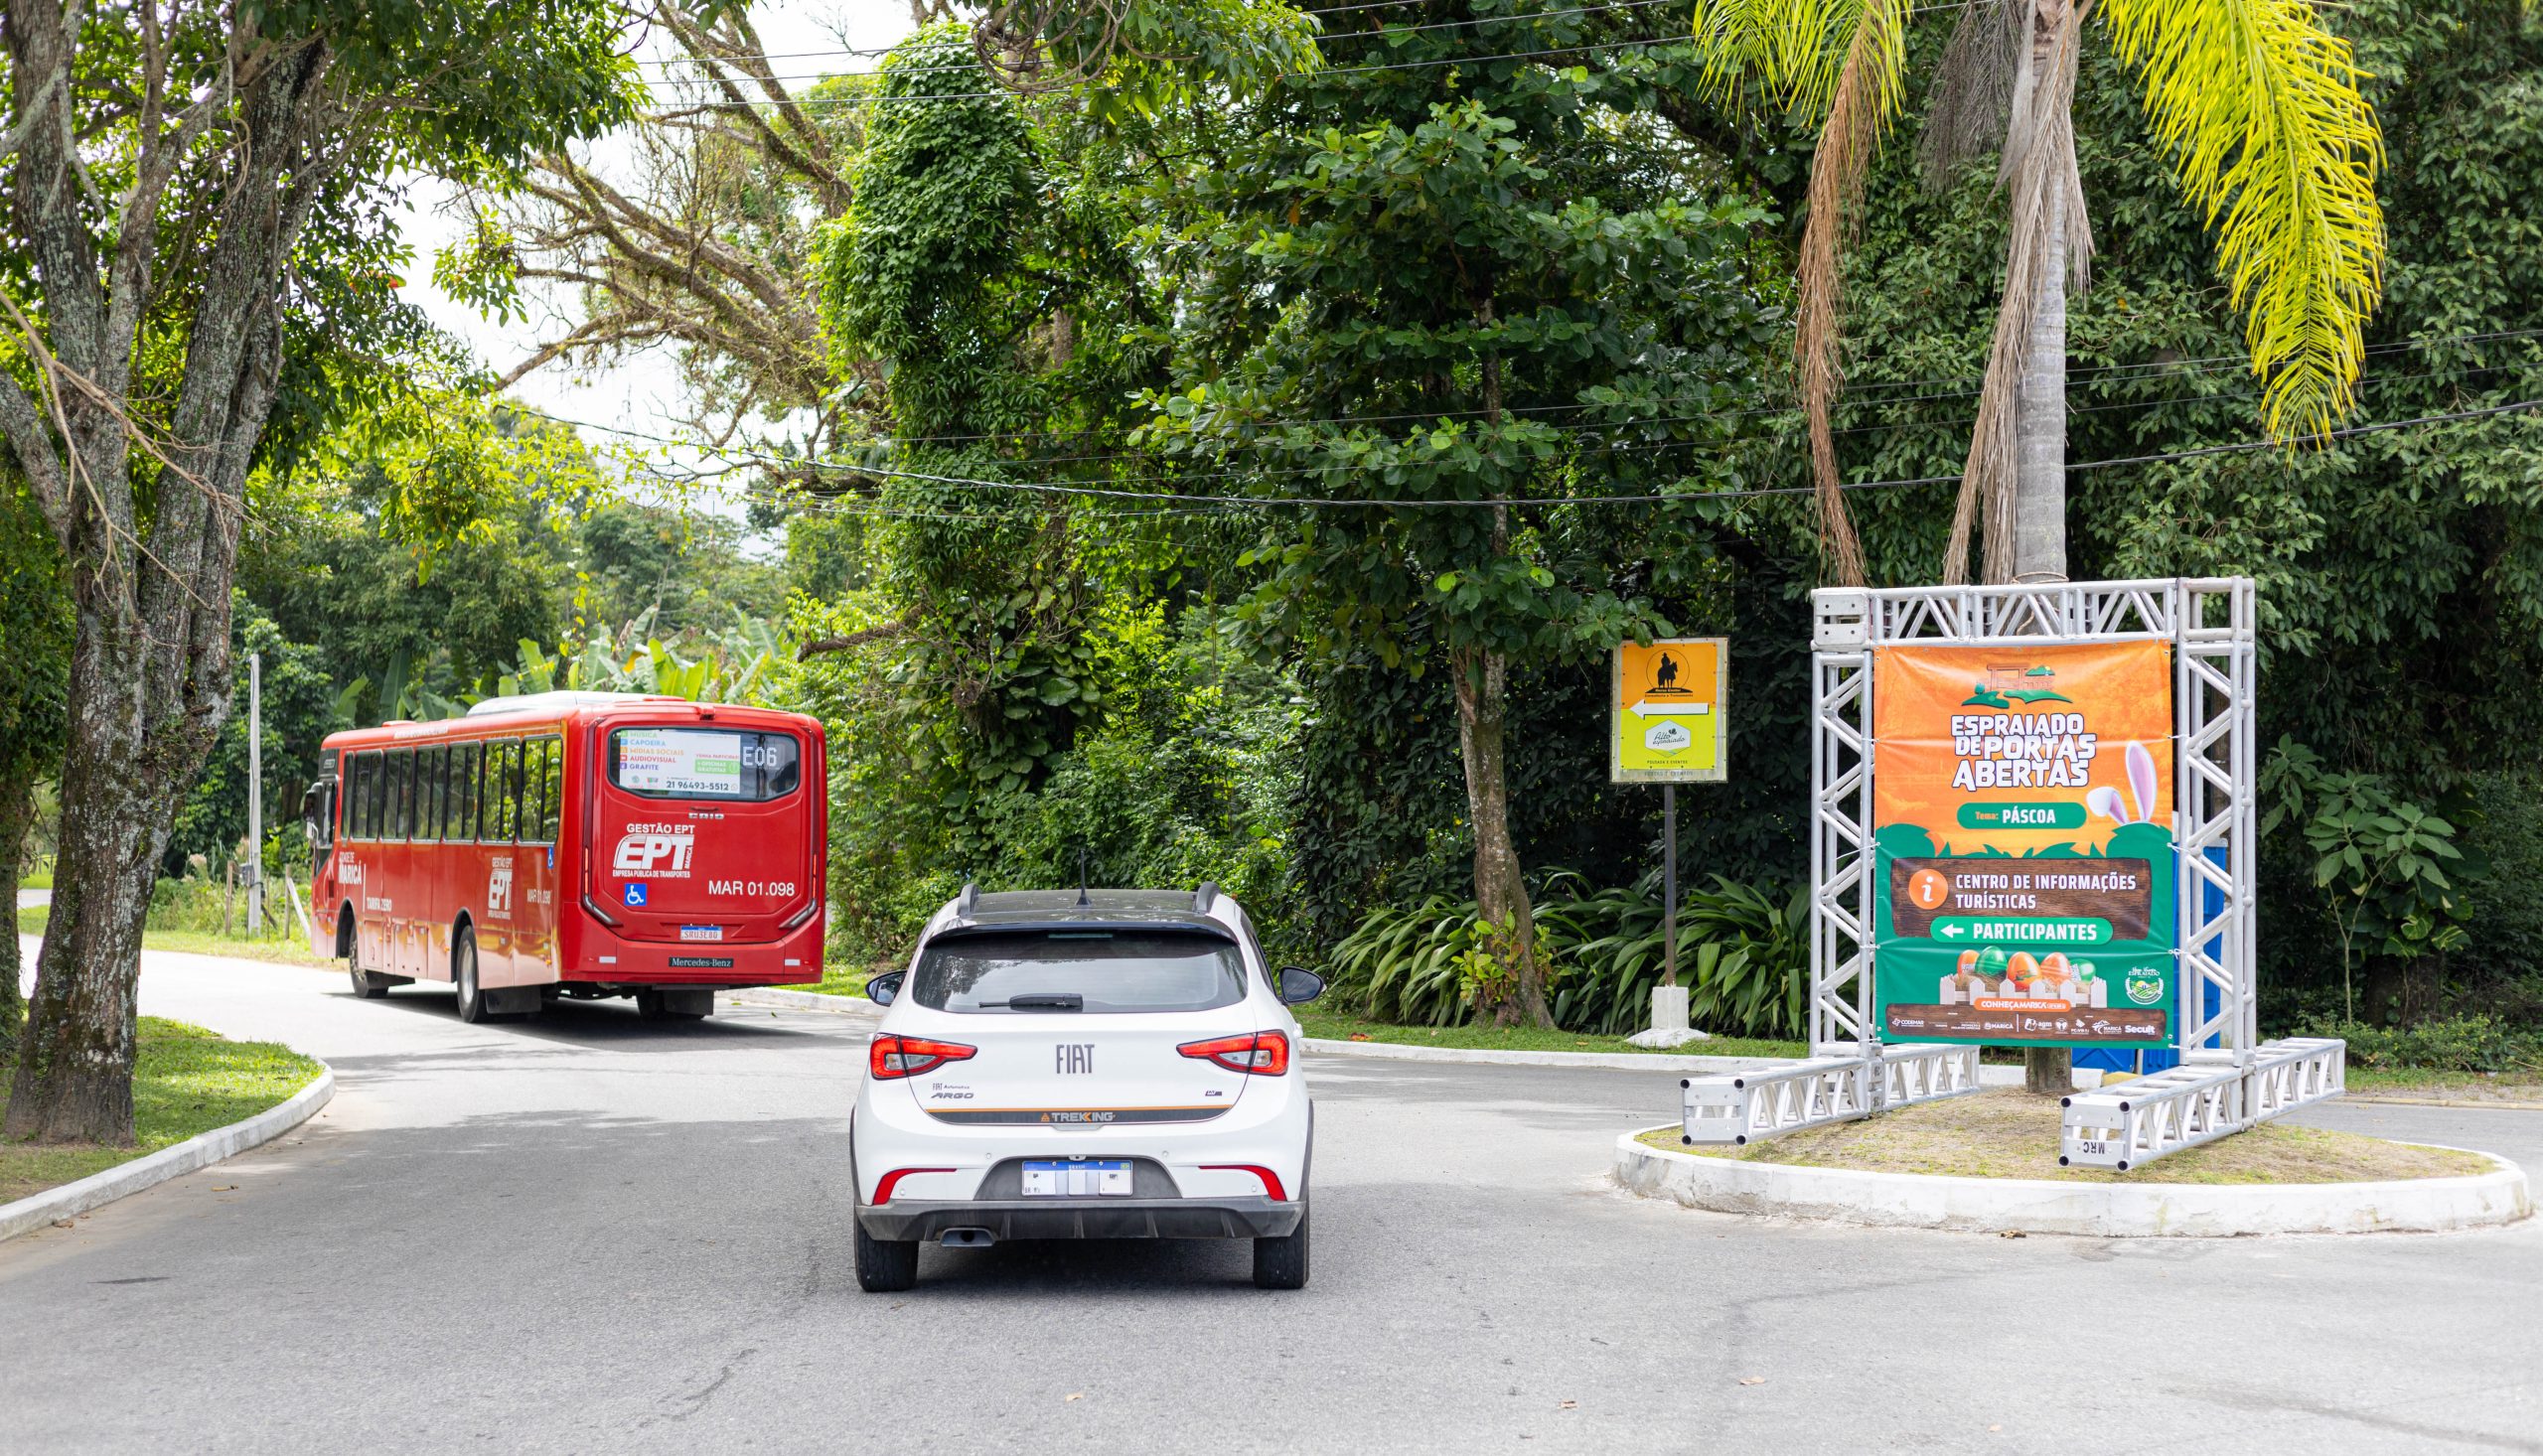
(585, 1233)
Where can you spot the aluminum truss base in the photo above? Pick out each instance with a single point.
(1739, 1107)
(2137, 1122)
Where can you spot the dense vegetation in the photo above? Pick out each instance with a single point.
(1071, 563)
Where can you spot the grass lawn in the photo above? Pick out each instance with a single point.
(2008, 1133)
(293, 951)
(187, 1080)
(2452, 1086)
(39, 879)
(1337, 1027)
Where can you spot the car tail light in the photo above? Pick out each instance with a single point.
(1257, 1053)
(1270, 1181)
(893, 1056)
(892, 1180)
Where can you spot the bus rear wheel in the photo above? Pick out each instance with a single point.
(366, 987)
(463, 976)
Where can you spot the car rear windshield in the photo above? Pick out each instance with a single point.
(1038, 973)
(705, 762)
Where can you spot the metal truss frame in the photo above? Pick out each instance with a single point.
(1745, 1105)
(2137, 1122)
(2212, 623)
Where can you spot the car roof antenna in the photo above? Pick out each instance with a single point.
(1082, 897)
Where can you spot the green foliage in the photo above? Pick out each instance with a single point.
(1743, 955)
(301, 707)
(2380, 862)
(2474, 1043)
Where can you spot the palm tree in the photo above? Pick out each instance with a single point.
(2257, 106)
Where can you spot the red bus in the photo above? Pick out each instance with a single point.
(581, 844)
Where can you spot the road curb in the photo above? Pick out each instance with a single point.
(1668, 1061)
(805, 1002)
(175, 1161)
(1678, 1063)
(2090, 1210)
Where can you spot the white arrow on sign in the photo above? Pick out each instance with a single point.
(1649, 709)
(1955, 931)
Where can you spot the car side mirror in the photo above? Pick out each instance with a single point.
(882, 988)
(1298, 985)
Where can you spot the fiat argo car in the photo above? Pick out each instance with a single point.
(1073, 1064)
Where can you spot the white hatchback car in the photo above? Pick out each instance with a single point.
(1072, 1064)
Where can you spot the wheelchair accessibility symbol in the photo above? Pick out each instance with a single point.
(636, 895)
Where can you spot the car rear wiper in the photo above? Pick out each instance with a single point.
(1042, 1001)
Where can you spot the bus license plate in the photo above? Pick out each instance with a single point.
(702, 932)
(1088, 1179)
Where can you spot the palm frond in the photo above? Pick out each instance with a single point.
(2259, 106)
(1838, 64)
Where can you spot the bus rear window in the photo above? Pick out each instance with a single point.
(705, 762)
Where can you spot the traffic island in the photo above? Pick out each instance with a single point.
(1988, 1163)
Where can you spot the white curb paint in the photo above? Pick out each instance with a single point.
(2093, 1210)
(199, 1152)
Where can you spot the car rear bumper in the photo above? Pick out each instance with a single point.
(1087, 1218)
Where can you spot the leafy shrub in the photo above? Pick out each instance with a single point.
(1744, 955)
(2474, 1043)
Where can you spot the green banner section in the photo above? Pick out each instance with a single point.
(2021, 816)
(1956, 929)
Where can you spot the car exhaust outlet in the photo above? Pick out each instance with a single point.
(968, 1238)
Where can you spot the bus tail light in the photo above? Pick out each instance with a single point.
(1257, 1053)
(803, 915)
(598, 914)
(897, 1056)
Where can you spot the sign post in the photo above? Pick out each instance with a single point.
(1665, 727)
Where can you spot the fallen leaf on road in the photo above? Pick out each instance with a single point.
(1080, 1396)
(1997, 1427)
(1571, 1405)
(2013, 1233)
(1752, 1379)
(62, 1223)
(225, 1188)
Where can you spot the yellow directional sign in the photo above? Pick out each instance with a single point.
(1666, 711)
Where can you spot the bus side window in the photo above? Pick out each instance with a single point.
(503, 789)
(390, 776)
(551, 795)
(460, 799)
(402, 793)
(374, 795)
(348, 795)
(526, 822)
(428, 767)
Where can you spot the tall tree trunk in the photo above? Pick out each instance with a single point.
(1500, 891)
(74, 1081)
(2039, 422)
(17, 812)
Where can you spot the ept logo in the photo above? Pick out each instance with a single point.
(661, 850)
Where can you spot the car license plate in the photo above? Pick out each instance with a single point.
(1083, 1178)
(702, 932)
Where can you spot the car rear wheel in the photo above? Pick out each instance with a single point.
(463, 976)
(1281, 1263)
(885, 1266)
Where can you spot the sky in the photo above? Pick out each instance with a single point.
(641, 391)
